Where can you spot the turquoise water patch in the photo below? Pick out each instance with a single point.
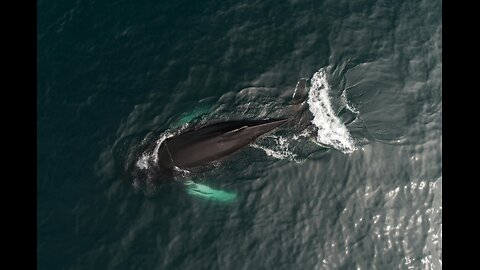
(206, 192)
(196, 112)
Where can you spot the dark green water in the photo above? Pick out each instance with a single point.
(114, 76)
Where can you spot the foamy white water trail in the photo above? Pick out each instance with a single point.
(331, 131)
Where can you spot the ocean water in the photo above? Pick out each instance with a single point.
(358, 187)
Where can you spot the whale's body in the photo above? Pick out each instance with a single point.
(185, 154)
(207, 144)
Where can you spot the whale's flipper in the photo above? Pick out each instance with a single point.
(204, 191)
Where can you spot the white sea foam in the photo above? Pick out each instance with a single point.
(280, 150)
(182, 172)
(331, 131)
(349, 106)
(270, 152)
(143, 162)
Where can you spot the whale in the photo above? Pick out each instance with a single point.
(182, 155)
(202, 146)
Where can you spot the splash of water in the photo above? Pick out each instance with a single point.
(331, 131)
(146, 158)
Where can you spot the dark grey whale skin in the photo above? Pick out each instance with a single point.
(204, 145)
(197, 147)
